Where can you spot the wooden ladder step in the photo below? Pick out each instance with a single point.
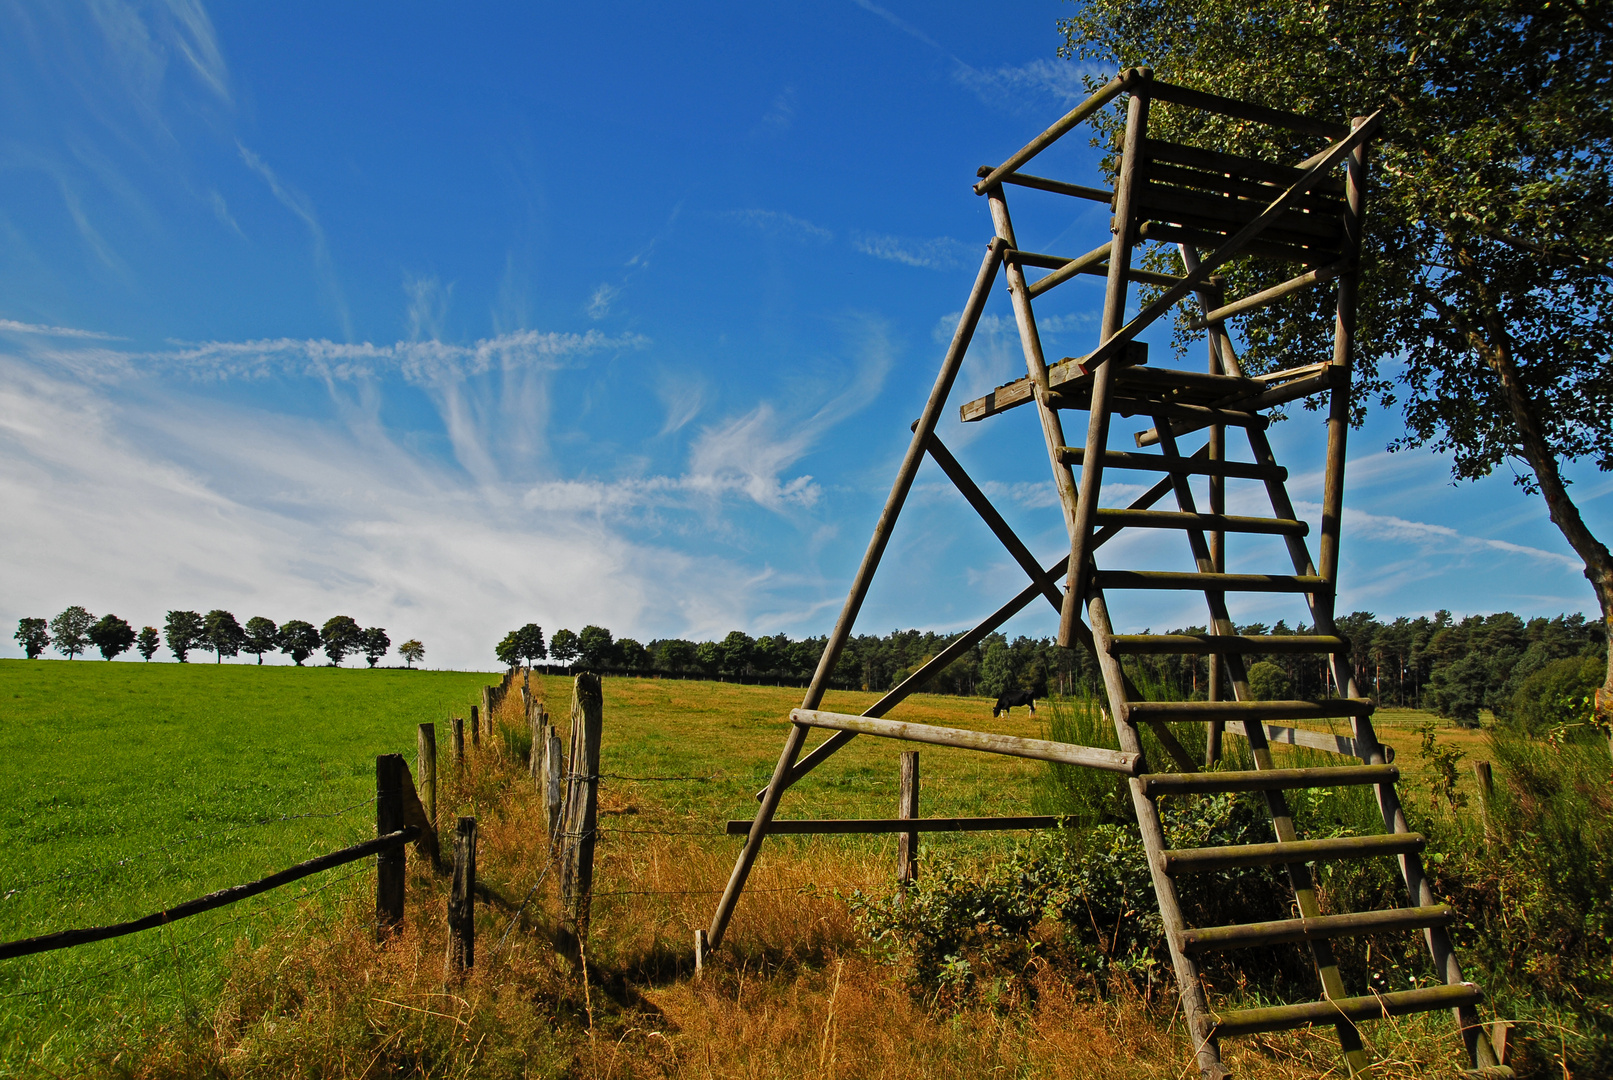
(1248, 710)
(1223, 644)
(1198, 860)
(1124, 459)
(1177, 519)
(1323, 927)
(1356, 1009)
(1187, 581)
(1217, 783)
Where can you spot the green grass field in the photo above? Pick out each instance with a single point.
(131, 787)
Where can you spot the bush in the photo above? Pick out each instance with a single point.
(1268, 682)
(1559, 695)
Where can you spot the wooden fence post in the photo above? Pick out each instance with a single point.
(462, 904)
(907, 844)
(389, 866)
(537, 723)
(582, 809)
(426, 759)
(554, 790)
(1486, 779)
(490, 696)
(475, 726)
(458, 744)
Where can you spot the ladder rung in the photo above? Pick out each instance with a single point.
(1178, 519)
(1199, 860)
(1215, 783)
(1223, 644)
(1356, 1009)
(1169, 579)
(1122, 459)
(1249, 710)
(1293, 931)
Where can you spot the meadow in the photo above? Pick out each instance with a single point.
(128, 787)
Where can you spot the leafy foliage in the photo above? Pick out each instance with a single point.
(341, 636)
(564, 647)
(147, 642)
(222, 634)
(183, 630)
(261, 636)
(374, 644)
(70, 631)
(112, 636)
(34, 636)
(298, 640)
(412, 652)
(1557, 697)
(1268, 682)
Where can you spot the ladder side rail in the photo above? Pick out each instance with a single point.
(1195, 1006)
(796, 738)
(1114, 316)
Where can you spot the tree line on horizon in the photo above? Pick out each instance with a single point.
(1537, 674)
(75, 630)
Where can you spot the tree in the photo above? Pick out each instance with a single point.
(529, 643)
(70, 631)
(412, 652)
(184, 631)
(1486, 265)
(736, 650)
(222, 634)
(1268, 682)
(262, 636)
(633, 656)
(596, 647)
(563, 647)
(997, 674)
(33, 635)
(298, 640)
(341, 637)
(375, 644)
(112, 636)
(508, 650)
(674, 654)
(147, 642)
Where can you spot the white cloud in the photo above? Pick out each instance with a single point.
(779, 224)
(299, 204)
(599, 303)
(1017, 88)
(12, 326)
(942, 253)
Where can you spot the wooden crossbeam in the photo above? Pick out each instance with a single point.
(1093, 757)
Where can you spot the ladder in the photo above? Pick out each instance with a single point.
(1215, 207)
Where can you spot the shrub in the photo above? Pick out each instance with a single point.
(1268, 682)
(1559, 695)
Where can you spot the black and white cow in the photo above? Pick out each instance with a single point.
(1014, 697)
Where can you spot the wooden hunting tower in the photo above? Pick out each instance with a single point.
(1215, 207)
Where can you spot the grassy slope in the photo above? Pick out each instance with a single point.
(123, 758)
(156, 764)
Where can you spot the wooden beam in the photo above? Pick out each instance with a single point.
(1115, 87)
(1244, 110)
(1093, 757)
(848, 826)
(1042, 183)
(1266, 296)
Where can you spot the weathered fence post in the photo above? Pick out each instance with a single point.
(476, 725)
(389, 866)
(426, 759)
(582, 809)
(490, 696)
(537, 723)
(458, 745)
(1486, 779)
(462, 904)
(907, 844)
(554, 791)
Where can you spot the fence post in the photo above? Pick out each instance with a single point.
(426, 758)
(462, 904)
(458, 744)
(389, 867)
(536, 723)
(582, 809)
(476, 725)
(907, 844)
(554, 770)
(1486, 779)
(490, 696)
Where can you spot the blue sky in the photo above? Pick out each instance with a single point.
(451, 317)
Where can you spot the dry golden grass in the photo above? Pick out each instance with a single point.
(796, 992)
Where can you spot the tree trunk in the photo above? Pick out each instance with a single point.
(1494, 347)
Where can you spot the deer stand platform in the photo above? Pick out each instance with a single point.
(1215, 207)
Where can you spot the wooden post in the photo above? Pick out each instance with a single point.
(458, 745)
(426, 760)
(389, 772)
(554, 771)
(462, 904)
(475, 727)
(1486, 779)
(488, 703)
(907, 806)
(582, 808)
(535, 722)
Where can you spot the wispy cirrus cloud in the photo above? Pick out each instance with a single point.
(776, 223)
(300, 205)
(12, 326)
(941, 253)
